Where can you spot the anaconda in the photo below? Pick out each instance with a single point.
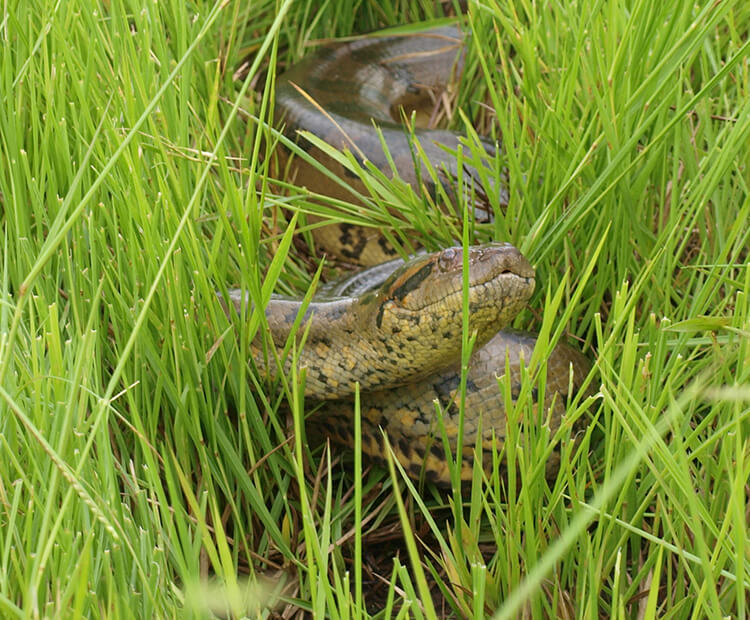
(401, 341)
(399, 335)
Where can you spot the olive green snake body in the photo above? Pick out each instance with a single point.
(337, 93)
(400, 336)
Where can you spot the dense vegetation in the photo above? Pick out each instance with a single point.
(145, 471)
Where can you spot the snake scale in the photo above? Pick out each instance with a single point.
(397, 329)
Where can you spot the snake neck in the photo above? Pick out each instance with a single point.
(337, 348)
(344, 344)
(405, 330)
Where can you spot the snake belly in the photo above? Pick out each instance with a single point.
(338, 91)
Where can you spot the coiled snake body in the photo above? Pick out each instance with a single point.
(337, 93)
(401, 337)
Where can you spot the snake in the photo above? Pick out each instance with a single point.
(394, 331)
(338, 92)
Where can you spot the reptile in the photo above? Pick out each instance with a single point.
(396, 329)
(397, 333)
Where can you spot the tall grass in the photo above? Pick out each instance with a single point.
(146, 471)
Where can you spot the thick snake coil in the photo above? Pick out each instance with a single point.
(339, 91)
(399, 336)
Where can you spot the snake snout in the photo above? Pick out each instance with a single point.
(496, 271)
(503, 258)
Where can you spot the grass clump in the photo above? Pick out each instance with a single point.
(146, 471)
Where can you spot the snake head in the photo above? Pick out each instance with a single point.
(423, 301)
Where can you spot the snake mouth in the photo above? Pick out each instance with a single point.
(496, 271)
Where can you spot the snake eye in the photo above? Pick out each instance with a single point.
(447, 258)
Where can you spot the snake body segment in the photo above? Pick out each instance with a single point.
(408, 414)
(337, 92)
